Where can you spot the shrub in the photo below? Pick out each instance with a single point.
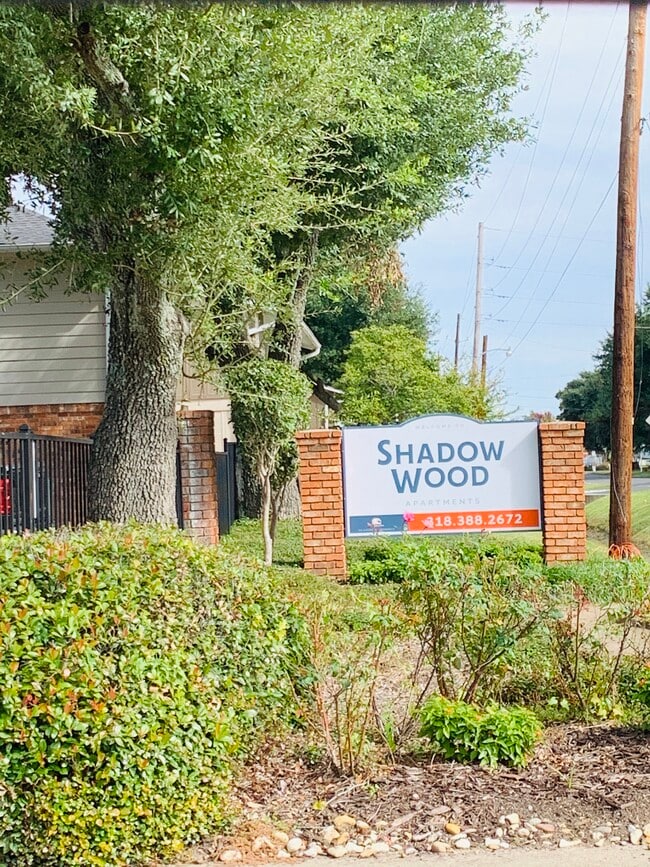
(634, 687)
(474, 612)
(135, 665)
(391, 561)
(461, 732)
(381, 564)
(596, 635)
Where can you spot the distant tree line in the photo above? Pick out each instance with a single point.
(589, 397)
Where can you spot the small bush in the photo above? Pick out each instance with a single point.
(634, 688)
(391, 561)
(461, 732)
(382, 564)
(135, 665)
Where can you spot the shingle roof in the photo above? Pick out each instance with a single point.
(21, 229)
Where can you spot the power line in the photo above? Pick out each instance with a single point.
(570, 209)
(533, 298)
(520, 149)
(532, 161)
(566, 148)
(568, 265)
(570, 184)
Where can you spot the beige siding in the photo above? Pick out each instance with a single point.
(193, 394)
(51, 351)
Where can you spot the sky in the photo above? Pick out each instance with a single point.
(549, 211)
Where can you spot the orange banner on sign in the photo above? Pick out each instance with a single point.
(469, 522)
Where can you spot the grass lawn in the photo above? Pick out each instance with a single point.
(246, 537)
(597, 485)
(598, 517)
(315, 595)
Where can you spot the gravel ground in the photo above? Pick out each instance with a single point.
(586, 787)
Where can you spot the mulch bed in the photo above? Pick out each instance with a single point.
(580, 778)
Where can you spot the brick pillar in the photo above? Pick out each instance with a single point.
(198, 475)
(321, 496)
(561, 446)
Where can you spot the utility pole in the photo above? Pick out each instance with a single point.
(477, 303)
(620, 502)
(484, 361)
(457, 344)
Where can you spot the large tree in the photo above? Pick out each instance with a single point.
(166, 139)
(347, 299)
(588, 397)
(406, 145)
(198, 157)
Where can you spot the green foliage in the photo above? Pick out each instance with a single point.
(348, 664)
(338, 121)
(390, 376)
(474, 610)
(634, 688)
(270, 402)
(230, 141)
(135, 665)
(380, 564)
(589, 397)
(341, 304)
(392, 561)
(463, 733)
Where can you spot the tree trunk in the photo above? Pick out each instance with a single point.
(266, 519)
(275, 511)
(133, 464)
(287, 335)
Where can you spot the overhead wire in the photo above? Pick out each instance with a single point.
(569, 210)
(520, 149)
(564, 155)
(566, 268)
(598, 116)
(556, 60)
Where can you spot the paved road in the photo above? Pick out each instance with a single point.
(638, 483)
(580, 856)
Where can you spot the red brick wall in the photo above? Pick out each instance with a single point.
(561, 445)
(58, 419)
(321, 495)
(198, 475)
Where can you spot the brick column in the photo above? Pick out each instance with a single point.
(198, 475)
(561, 446)
(321, 496)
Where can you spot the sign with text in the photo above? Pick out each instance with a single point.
(441, 474)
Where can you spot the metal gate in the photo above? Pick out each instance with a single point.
(226, 486)
(43, 481)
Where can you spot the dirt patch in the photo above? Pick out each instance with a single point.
(581, 779)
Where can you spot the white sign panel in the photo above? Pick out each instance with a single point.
(441, 474)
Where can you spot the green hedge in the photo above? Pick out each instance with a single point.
(392, 560)
(134, 666)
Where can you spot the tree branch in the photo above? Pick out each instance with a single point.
(102, 70)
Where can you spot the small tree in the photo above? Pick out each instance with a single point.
(270, 402)
(390, 376)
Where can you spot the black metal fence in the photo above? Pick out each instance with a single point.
(43, 481)
(226, 486)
